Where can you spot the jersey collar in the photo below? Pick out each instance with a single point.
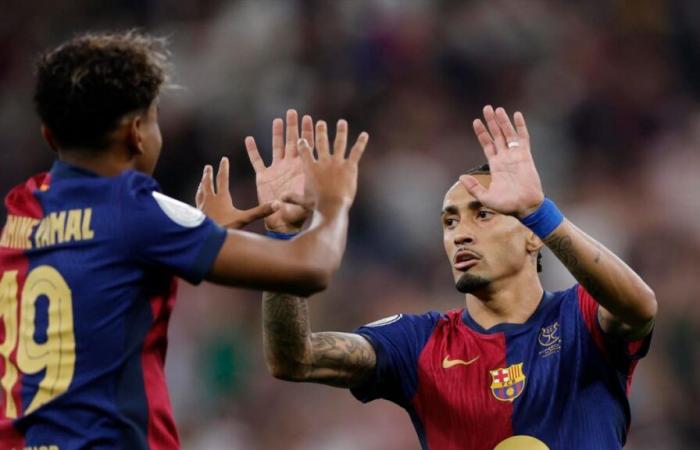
(509, 327)
(63, 170)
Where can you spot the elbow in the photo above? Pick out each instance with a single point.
(650, 305)
(313, 280)
(643, 309)
(285, 371)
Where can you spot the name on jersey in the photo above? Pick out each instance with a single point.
(59, 227)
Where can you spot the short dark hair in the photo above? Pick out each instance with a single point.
(484, 169)
(87, 84)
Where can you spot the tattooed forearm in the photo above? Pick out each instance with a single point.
(285, 328)
(341, 359)
(628, 304)
(563, 249)
(294, 353)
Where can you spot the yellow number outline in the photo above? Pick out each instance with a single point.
(56, 355)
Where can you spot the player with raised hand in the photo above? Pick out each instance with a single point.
(91, 249)
(518, 367)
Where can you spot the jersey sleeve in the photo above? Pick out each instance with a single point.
(397, 341)
(165, 233)
(617, 350)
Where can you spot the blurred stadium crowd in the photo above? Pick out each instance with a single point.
(611, 93)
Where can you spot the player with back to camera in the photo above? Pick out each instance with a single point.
(91, 249)
(518, 367)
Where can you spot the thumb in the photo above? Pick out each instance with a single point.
(476, 189)
(297, 199)
(258, 212)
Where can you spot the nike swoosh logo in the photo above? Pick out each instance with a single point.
(447, 362)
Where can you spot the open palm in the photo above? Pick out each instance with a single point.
(515, 184)
(285, 175)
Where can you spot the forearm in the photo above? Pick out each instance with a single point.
(286, 334)
(323, 244)
(606, 277)
(294, 353)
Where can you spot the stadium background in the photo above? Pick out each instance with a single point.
(611, 93)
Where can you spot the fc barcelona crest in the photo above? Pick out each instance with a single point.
(507, 384)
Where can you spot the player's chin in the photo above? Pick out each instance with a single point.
(468, 283)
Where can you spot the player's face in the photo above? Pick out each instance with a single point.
(150, 140)
(483, 246)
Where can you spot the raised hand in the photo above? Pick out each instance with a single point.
(515, 184)
(285, 175)
(332, 177)
(218, 205)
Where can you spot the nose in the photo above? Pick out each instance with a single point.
(463, 236)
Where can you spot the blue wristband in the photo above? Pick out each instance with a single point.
(281, 236)
(544, 220)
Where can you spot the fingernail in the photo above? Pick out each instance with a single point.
(302, 141)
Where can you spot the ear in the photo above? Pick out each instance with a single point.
(533, 243)
(48, 136)
(134, 138)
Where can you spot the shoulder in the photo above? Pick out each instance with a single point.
(411, 330)
(135, 184)
(428, 319)
(20, 196)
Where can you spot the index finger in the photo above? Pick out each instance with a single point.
(358, 149)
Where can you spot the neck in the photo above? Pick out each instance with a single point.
(107, 163)
(512, 300)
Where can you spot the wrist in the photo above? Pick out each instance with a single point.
(280, 236)
(543, 220)
(283, 228)
(333, 202)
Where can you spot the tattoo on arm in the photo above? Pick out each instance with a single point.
(562, 247)
(337, 359)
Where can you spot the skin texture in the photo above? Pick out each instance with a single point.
(480, 216)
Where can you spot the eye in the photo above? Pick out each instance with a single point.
(484, 214)
(449, 222)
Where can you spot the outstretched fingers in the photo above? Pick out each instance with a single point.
(322, 145)
(307, 132)
(222, 180)
(358, 149)
(341, 139)
(512, 138)
(485, 140)
(496, 133)
(292, 132)
(520, 126)
(277, 139)
(254, 155)
(305, 152)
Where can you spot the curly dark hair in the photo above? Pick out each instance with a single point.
(86, 85)
(484, 169)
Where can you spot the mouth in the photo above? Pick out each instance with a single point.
(465, 260)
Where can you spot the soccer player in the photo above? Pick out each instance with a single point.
(518, 367)
(91, 249)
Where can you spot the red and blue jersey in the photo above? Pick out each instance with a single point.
(87, 284)
(554, 382)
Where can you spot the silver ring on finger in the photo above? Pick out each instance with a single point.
(513, 144)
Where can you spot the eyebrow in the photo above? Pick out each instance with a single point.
(452, 209)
